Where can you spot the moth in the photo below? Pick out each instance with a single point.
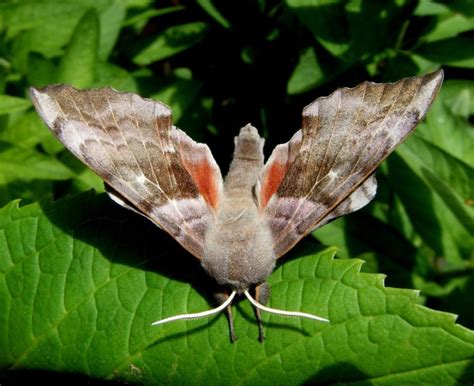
(238, 226)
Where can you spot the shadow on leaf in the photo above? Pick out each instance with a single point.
(124, 238)
(47, 378)
(338, 373)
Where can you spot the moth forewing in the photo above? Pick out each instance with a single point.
(239, 227)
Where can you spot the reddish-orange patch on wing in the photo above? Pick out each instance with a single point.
(205, 178)
(272, 181)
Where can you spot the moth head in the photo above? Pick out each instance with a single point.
(248, 142)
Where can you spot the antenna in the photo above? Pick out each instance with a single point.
(282, 312)
(197, 315)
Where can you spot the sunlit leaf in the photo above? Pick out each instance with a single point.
(77, 66)
(84, 286)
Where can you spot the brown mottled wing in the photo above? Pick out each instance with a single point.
(324, 171)
(150, 166)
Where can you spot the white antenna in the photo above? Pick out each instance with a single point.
(282, 312)
(197, 315)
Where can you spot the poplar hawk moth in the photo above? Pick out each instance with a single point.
(238, 226)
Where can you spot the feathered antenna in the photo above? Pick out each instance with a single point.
(203, 314)
(282, 312)
(198, 315)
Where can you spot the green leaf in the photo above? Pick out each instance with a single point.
(51, 22)
(170, 42)
(41, 71)
(214, 12)
(462, 6)
(139, 20)
(25, 129)
(307, 73)
(384, 246)
(449, 177)
(179, 95)
(77, 66)
(110, 75)
(374, 26)
(24, 163)
(326, 20)
(352, 30)
(11, 104)
(79, 290)
(453, 171)
(453, 134)
(456, 52)
(449, 26)
(430, 7)
(12, 188)
(111, 19)
(84, 178)
(435, 189)
(458, 95)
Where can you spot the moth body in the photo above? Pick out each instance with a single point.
(238, 245)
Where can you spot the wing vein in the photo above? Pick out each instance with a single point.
(121, 134)
(152, 170)
(359, 109)
(385, 138)
(171, 177)
(87, 124)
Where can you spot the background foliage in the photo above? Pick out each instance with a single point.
(80, 280)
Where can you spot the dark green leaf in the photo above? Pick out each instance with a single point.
(449, 26)
(438, 215)
(326, 20)
(179, 95)
(12, 188)
(430, 7)
(139, 19)
(449, 177)
(456, 52)
(211, 9)
(170, 42)
(41, 71)
(307, 73)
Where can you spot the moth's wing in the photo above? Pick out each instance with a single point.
(151, 166)
(324, 170)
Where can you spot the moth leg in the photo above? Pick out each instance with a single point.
(262, 294)
(221, 298)
(233, 337)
